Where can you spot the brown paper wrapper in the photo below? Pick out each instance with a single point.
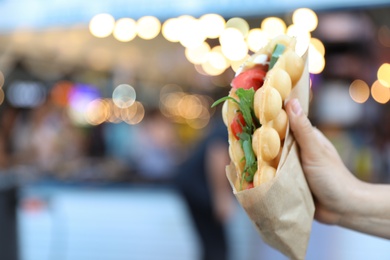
(282, 210)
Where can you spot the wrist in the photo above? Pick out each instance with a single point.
(357, 202)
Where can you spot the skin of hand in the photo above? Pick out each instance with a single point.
(340, 197)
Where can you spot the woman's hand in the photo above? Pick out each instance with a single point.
(340, 197)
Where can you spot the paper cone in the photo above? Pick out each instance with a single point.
(282, 210)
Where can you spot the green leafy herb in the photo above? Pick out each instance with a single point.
(246, 97)
(245, 104)
(279, 49)
(221, 100)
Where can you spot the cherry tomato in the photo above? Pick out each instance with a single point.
(237, 124)
(250, 186)
(253, 77)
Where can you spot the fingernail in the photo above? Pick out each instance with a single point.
(296, 107)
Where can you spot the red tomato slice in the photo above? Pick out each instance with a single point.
(250, 186)
(237, 124)
(252, 78)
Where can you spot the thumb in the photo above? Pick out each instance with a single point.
(301, 127)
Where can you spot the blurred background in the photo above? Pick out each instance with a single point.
(106, 124)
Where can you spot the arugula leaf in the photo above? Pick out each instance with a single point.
(250, 160)
(219, 101)
(245, 105)
(246, 97)
(278, 51)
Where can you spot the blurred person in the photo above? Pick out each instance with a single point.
(156, 144)
(42, 137)
(341, 198)
(7, 119)
(201, 179)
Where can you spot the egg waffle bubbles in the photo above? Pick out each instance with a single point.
(265, 171)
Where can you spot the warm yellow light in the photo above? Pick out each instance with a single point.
(125, 29)
(239, 24)
(305, 18)
(233, 44)
(380, 93)
(198, 54)
(198, 123)
(273, 26)
(217, 59)
(237, 64)
(113, 111)
(384, 74)
(170, 30)
(189, 107)
(148, 27)
(318, 45)
(235, 51)
(191, 33)
(209, 69)
(359, 91)
(128, 113)
(316, 61)
(212, 25)
(97, 112)
(302, 36)
(101, 25)
(139, 115)
(230, 35)
(256, 39)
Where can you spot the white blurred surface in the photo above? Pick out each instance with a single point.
(152, 223)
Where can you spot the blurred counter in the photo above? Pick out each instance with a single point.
(145, 221)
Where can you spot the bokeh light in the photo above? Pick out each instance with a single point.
(316, 61)
(302, 36)
(238, 63)
(125, 29)
(134, 114)
(305, 18)
(273, 26)
(217, 59)
(210, 70)
(318, 45)
(102, 25)
(198, 54)
(359, 91)
(256, 39)
(169, 30)
(239, 24)
(26, 94)
(212, 25)
(380, 93)
(97, 112)
(60, 93)
(124, 96)
(190, 31)
(79, 97)
(189, 107)
(233, 44)
(148, 27)
(384, 74)
(185, 108)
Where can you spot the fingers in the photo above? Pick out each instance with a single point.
(304, 133)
